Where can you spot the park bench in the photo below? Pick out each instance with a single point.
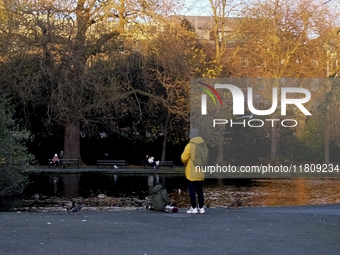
(166, 163)
(162, 163)
(112, 163)
(50, 162)
(65, 162)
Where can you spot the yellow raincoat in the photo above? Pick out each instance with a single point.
(189, 152)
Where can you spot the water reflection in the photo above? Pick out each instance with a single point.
(218, 192)
(274, 192)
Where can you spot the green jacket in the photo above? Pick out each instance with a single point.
(160, 198)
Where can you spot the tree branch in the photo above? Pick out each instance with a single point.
(96, 48)
(156, 99)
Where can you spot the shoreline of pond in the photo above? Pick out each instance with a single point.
(176, 171)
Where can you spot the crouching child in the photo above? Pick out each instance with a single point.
(161, 201)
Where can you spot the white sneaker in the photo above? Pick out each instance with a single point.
(168, 208)
(157, 163)
(115, 167)
(201, 210)
(192, 210)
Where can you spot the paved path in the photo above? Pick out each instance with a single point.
(266, 230)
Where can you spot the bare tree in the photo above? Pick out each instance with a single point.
(225, 26)
(331, 108)
(170, 59)
(72, 46)
(276, 41)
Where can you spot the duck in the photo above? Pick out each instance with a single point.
(74, 209)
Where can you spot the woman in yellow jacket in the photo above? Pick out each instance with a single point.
(195, 178)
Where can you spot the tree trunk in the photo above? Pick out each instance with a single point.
(273, 146)
(326, 142)
(164, 146)
(300, 128)
(165, 137)
(220, 153)
(72, 141)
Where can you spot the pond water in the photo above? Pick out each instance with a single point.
(218, 192)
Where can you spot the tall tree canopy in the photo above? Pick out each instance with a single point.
(63, 58)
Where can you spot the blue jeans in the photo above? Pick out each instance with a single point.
(196, 187)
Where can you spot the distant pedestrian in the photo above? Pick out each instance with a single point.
(195, 179)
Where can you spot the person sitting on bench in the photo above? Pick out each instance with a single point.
(150, 161)
(56, 160)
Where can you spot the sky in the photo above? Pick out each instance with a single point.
(203, 7)
(196, 8)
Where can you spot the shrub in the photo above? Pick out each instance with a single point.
(14, 156)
